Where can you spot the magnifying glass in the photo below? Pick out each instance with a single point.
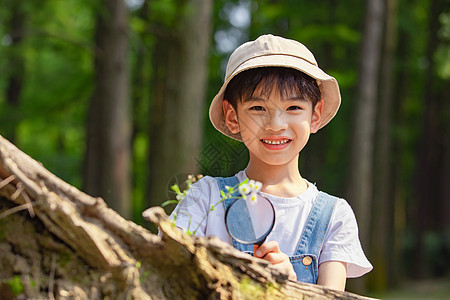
(250, 223)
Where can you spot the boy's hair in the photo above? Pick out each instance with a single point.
(288, 81)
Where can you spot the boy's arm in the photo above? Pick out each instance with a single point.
(333, 274)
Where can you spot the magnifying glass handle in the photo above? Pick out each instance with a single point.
(259, 243)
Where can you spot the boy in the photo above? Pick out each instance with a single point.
(273, 98)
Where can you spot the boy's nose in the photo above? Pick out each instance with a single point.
(275, 121)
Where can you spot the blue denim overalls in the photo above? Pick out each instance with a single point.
(305, 260)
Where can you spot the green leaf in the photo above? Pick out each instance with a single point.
(175, 188)
(16, 285)
(169, 202)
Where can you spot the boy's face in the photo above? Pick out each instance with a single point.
(274, 128)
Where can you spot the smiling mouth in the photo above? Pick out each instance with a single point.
(276, 142)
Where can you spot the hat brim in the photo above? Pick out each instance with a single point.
(328, 86)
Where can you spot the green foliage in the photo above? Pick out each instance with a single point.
(64, 258)
(49, 121)
(16, 285)
(249, 287)
(443, 53)
(244, 190)
(252, 290)
(140, 150)
(143, 275)
(165, 11)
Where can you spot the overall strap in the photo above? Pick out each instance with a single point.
(316, 225)
(242, 222)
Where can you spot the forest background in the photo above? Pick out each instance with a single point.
(112, 96)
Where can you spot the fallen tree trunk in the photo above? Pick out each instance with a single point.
(56, 242)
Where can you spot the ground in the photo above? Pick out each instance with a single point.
(423, 289)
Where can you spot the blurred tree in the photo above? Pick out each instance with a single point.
(142, 38)
(383, 205)
(428, 198)
(179, 80)
(360, 183)
(15, 69)
(107, 158)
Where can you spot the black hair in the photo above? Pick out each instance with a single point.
(288, 80)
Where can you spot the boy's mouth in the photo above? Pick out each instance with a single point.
(276, 142)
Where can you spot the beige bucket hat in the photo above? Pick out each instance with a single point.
(275, 51)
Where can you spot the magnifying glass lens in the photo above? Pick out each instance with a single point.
(250, 222)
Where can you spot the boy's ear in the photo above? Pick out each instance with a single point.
(230, 114)
(317, 116)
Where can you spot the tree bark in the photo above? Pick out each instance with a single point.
(361, 163)
(383, 198)
(179, 84)
(107, 158)
(361, 169)
(58, 242)
(429, 201)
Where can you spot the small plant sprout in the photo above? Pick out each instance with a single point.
(180, 195)
(247, 189)
(253, 197)
(250, 190)
(255, 186)
(244, 189)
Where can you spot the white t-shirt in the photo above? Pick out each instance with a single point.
(341, 241)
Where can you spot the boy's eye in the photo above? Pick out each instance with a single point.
(257, 107)
(294, 107)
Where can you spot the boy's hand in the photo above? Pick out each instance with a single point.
(270, 251)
